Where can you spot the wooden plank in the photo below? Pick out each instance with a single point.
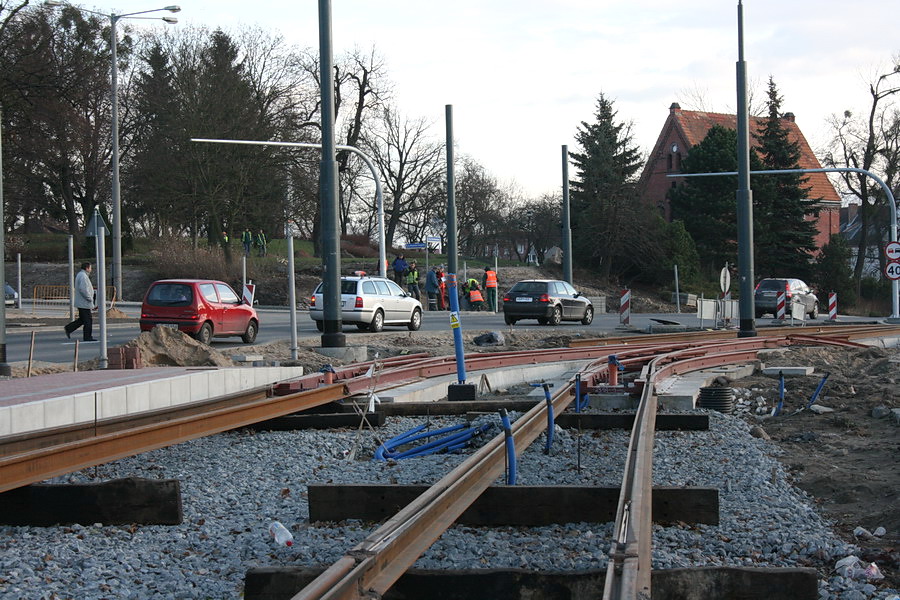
(117, 502)
(664, 422)
(719, 583)
(519, 505)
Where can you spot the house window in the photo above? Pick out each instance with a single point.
(669, 162)
(678, 161)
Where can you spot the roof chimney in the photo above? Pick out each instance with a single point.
(788, 116)
(675, 106)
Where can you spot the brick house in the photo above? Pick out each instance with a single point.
(685, 128)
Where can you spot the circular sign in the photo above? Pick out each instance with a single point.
(725, 280)
(892, 251)
(892, 270)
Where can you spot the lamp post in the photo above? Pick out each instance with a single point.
(114, 101)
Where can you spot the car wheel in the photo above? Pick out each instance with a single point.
(377, 323)
(556, 317)
(815, 311)
(509, 320)
(205, 335)
(250, 335)
(416, 321)
(320, 325)
(588, 317)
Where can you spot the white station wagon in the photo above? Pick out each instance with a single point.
(370, 303)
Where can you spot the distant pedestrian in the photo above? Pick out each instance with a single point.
(261, 243)
(247, 240)
(225, 237)
(400, 267)
(412, 281)
(489, 282)
(432, 288)
(84, 302)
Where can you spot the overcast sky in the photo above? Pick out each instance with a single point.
(521, 75)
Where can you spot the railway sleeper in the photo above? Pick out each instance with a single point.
(115, 502)
(700, 583)
(515, 505)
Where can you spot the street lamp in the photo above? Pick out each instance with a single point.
(114, 97)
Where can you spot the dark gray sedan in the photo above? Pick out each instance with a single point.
(550, 301)
(795, 291)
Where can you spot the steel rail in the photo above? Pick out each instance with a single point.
(371, 567)
(628, 574)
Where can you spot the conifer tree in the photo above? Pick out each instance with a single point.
(784, 234)
(603, 197)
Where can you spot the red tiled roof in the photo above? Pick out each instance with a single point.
(695, 124)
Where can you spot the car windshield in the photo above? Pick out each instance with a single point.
(770, 285)
(530, 287)
(170, 294)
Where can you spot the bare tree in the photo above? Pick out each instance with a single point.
(868, 143)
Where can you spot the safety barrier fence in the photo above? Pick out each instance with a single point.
(55, 298)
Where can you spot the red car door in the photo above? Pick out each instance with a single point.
(234, 314)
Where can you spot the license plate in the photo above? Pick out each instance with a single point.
(169, 325)
(523, 299)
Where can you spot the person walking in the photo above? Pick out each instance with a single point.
(247, 240)
(489, 283)
(261, 243)
(84, 302)
(432, 288)
(412, 281)
(443, 301)
(225, 237)
(400, 267)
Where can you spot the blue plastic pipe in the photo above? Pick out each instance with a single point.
(510, 448)
(815, 395)
(550, 418)
(456, 326)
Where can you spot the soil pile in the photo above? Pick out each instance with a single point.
(166, 347)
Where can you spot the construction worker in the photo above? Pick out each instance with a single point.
(261, 243)
(412, 280)
(489, 282)
(476, 300)
(247, 240)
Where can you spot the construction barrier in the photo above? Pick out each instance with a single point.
(625, 307)
(832, 306)
(55, 298)
(779, 306)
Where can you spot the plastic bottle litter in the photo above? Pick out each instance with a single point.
(853, 567)
(282, 536)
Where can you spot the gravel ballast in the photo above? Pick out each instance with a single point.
(235, 484)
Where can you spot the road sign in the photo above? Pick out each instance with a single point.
(415, 246)
(91, 230)
(725, 279)
(892, 270)
(892, 251)
(433, 238)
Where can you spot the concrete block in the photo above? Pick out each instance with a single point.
(111, 403)
(247, 357)
(85, 407)
(199, 383)
(611, 401)
(160, 394)
(59, 411)
(264, 375)
(248, 378)
(788, 371)
(5, 421)
(179, 390)
(26, 417)
(217, 383)
(231, 379)
(350, 354)
(137, 397)
(820, 410)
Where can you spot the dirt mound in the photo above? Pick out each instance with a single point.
(163, 346)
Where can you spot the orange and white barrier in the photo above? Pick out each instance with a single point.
(779, 306)
(625, 307)
(832, 306)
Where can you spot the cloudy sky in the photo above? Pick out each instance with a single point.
(521, 75)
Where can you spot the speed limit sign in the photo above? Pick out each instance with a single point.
(892, 270)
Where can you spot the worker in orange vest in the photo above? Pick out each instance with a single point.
(489, 283)
(476, 300)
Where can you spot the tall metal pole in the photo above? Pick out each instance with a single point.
(333, 336)
(292, 289)
(566, 220)
(5, 369)
(452, 257)
(71, 277)
(116, 198)
(744, 194)
(101, 290)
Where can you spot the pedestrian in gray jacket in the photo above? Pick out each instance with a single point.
(84, 302)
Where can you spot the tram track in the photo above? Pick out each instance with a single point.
(375, 564)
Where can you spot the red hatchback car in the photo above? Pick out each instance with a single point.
(203, 308)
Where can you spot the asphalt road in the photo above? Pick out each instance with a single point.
(51, 345)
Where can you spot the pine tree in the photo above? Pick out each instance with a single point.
(784, 234)
(603, 197)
